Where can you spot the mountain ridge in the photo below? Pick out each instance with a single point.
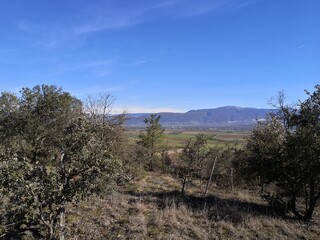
(221, 117)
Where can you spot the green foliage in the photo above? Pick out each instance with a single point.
(151, 140)
(191, 160)
(266, 147)
(283, 154)
(132, 160)
(52, 153)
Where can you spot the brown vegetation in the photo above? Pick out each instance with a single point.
(152, 208)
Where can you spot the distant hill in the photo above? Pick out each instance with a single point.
(222, 117)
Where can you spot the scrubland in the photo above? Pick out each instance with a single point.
(151, 207)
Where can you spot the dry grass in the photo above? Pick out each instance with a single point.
(151, 209)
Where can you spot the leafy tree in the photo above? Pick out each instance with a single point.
(283, 153)
(151, 140)
(303, 154)
(51, 154)
(191, 160)
(265, 145)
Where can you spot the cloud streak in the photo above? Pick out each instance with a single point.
(97, 64)
(122, 19)
(137, 15)
(105, 24)
(297, 48)
(188, 8)
(72, 32)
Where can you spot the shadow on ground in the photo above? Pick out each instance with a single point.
(216, 208)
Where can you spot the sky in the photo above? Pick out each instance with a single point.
(163, 55)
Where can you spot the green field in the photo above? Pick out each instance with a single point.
(177, 138)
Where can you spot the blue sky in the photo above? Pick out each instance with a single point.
(163, 55)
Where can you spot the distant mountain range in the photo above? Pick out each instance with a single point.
(223, 117)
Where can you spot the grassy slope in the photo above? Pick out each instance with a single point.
(152, 208)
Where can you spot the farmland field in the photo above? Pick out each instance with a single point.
(177, 138)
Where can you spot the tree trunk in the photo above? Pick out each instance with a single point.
(309, 212)
(51, 231)
(312, 203)
(208, 183)
(62, 223)
(48, 223)
(292, 206)
(62, 206)
(231, 176)
(183, 186)
(151, 162)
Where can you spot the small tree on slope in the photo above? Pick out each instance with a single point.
(152, 138)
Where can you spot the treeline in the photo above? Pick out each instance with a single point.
(56, 150)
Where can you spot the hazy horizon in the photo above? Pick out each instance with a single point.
(155, 110)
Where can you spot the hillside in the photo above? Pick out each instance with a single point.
(230, 116)
(151, 207)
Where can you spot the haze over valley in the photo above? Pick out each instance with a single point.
(224, 117)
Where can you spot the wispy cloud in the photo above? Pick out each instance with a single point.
(195, 8)
(140, 62)
(167, 3)
(72, 32)
(46, 36)
(239, 4)
(297, 48)
(83, 65)
(122, 19)
(105, 24)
